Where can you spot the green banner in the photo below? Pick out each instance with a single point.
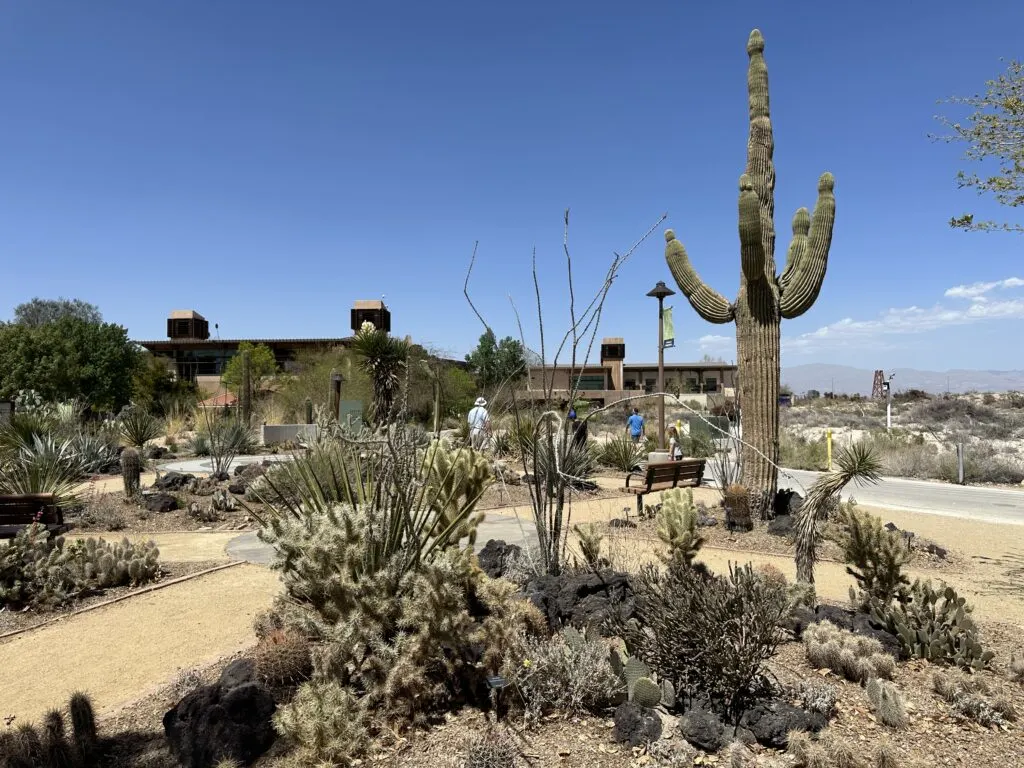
(667, 328)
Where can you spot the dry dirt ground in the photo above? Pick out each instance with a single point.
(120, 651)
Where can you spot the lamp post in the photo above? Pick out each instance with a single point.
(660, 292)
(887, 385)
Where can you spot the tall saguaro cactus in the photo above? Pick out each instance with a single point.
(764, 297)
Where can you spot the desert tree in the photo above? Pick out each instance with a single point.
(39, 311)
(993, 133)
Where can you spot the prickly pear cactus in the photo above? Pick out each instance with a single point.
(646, 693)
(765, 297)
(935, 625)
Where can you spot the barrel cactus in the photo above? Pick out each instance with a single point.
(764, 297)
(131, 469)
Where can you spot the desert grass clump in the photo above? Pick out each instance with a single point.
(491, 748)
(855, 657)
(740, 755)
(887, 703)
(283, 658)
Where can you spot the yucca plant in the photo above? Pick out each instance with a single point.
(47, 466)
(226, 437)
(856, 464)
(22, 429)
(96, 450)
(383, 358)
(138, 427)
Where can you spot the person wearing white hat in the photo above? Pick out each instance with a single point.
(479, 424)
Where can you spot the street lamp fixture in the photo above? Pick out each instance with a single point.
(661, 292)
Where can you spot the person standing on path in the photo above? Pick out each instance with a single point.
(479, 424)
(635, 426)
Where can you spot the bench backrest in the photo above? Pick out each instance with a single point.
(675, 472)
(24, 509)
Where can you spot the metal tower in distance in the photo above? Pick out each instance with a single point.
(877, 387)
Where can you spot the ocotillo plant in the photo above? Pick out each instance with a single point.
(245, 390)
(764, 297)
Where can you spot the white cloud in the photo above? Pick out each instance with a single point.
(977, 291)
(909, 320)
(713, 343)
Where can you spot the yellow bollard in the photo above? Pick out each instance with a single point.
(828, 447)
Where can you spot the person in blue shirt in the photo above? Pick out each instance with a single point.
(635, 425)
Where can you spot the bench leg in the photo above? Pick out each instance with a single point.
(640, 506)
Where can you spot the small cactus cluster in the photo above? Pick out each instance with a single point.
(677, 526)
(887, 703)
(37, 569)
(855, 657)
(829, 750)
(641, 686)
(736, 499)
(968, 696)
(491, 748)
(283, 658)
(935, 625)
(51, 746)
(818, 697)
(222, 501)
(131, 469)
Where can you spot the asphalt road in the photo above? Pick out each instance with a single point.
(996, 505)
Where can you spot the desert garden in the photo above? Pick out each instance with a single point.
(382, 593)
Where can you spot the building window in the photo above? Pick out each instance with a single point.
(691, 385)
(592, 382)
(710, 384)
(650, 385)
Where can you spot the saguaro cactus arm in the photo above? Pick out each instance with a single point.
(801, 281)
(751, 246)
(708, 303)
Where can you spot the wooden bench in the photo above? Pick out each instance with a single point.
(17, 512)
(663, 476)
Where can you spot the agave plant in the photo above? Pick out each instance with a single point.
(383, 358)
(138, 427)
(97, 452)
(623, 454)
(22, 429)
(48, 465)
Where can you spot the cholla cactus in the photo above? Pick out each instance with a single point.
(887, 702)
(456, 479)
(765, 298)
(677, 526)
(131, 470)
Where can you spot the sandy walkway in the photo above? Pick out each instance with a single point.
(113, 484)
(119, 652)
(183, 547)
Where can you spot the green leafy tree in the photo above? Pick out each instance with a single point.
(69, 358)
(495, 363)
(994, 135)
(156, 389)
(42, 311)
(262, 365)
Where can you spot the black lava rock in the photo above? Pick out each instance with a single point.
(173, 481)
(771, 721)
(237, 488)
(495, 557)
(782, 525)
(703, 729)
(935, 549)
(230, 719)
(159, 502)
(581, 599)
(154, 452)
(636, 725)
(787, 502)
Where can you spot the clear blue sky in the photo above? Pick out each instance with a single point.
(267, 163)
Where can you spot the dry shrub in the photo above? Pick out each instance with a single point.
(566, 673)
(771, 573)
(104, 512)
(283, 658)
(840, 753)
(806, 752)
(186, 681)
(884, 755)
(267, 622)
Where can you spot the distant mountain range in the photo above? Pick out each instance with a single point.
(849, 380)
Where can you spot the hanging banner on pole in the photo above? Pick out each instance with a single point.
(667, 328)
